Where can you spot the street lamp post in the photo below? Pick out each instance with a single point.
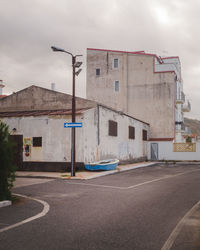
(73, 138)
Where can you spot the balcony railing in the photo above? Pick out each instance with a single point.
(180, 98)
(186, 107)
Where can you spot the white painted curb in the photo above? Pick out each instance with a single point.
(5, 203)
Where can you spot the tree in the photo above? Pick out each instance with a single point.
(7, 168)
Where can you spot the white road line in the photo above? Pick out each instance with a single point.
(166, 177)
(134, 186)
(37, 216)
(170, 241)
(95, 185)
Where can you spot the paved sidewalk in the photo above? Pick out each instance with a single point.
(82, 175)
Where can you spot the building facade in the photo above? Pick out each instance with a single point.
(142, 85)
(36, 118)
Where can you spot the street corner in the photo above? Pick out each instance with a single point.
(23, 210)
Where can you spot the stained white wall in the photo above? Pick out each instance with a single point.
(121, 146)
(165, 152)
(92, 140)
(56, 140)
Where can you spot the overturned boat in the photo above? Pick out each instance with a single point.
(110, 164)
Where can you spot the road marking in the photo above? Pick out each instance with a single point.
(95, 185)
(134, 186)
(170, 241)
(37, 216)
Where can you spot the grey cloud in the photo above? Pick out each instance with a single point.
(29, 28)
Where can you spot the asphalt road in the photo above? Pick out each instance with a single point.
(137, 209)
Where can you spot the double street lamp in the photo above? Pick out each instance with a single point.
(75, 65)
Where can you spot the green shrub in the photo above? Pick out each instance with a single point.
(188, 139)
(7, 168)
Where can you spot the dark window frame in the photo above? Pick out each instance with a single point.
(144, 135)
(98, 72)
(112, 128)
(117, 85)
(37, 141)
(116, 63)
(131, 132)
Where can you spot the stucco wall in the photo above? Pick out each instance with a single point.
(101, 88)
(165, 152)
(56, 140)
(37, 98)
(120, 146)
(92, 140)
(143, 94)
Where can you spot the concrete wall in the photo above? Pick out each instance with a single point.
(101, 88)
(165, 152)
(120, 146)
(143, 94)
(56, 140)
(92, 140)
(37, 98)
(151, 96)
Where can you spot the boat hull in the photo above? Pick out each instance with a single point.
(101, 166)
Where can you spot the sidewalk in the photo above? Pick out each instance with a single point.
(82, 175)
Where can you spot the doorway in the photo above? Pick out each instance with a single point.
(154, 151)
(18, 150)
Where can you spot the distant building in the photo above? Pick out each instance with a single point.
(142, 85)
(36, 118)
(1, 89)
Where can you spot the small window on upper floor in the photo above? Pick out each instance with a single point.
(117, 86)
(116, 63)
(97, 72)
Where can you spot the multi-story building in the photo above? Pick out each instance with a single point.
(140, 84)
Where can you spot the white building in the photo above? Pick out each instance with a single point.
(142, 85)
(36, 118)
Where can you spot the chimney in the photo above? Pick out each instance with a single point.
(53, 86)
(1, 87)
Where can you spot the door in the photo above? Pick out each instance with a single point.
(154, 151)
(18, 150)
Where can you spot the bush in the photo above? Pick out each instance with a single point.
(7, 168)
(188, 139)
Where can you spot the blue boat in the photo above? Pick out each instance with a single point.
(102, 165)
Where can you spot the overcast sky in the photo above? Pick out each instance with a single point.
(29, 28)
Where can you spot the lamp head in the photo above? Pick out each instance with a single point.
(55, 49)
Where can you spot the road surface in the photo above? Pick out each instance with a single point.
(137, 209)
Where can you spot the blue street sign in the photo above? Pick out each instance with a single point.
(73, 125)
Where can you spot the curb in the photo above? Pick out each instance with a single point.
(37, 177)
(5, 203)
(96, 175)
(118, 170)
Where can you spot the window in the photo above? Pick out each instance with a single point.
(37, 141)
(116, 86)
(116, 63)
(144, 135)
(112, 128)
(131, 134)
(97, 72)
